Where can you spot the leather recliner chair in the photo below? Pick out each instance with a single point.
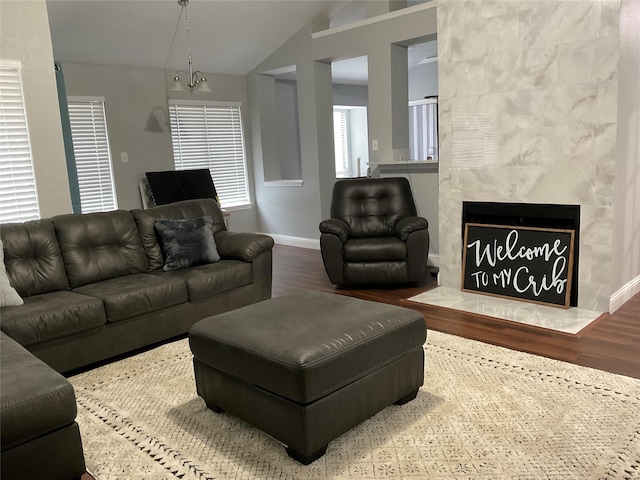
(374, 236)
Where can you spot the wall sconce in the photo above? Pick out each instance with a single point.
(153, 124)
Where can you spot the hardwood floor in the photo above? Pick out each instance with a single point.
(611, 343)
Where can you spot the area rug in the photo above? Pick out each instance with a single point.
(484, 412)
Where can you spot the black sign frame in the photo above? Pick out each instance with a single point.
(519, 263)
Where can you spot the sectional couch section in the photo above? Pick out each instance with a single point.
(93, 285)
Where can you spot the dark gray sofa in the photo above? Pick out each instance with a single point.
(40, 437)
(94, 288)
(93, 284)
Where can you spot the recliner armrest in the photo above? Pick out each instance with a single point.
(336, 227)
(241, 245)
(408, 225)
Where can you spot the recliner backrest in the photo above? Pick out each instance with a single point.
(372, 206)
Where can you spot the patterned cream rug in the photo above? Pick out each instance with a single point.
(484, 412)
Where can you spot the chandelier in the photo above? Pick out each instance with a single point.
(197, 81)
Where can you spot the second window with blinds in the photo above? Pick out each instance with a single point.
(92, 154)
(210, 135)
(423, 130)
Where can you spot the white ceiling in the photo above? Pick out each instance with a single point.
(227, 36)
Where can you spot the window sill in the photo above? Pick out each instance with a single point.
(409, 162)
(413, 166)
(237, 208)
(284, 183)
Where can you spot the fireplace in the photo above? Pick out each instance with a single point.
(529, 215)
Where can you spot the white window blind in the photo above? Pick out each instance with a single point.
(423, 129)
(341, 141)
(209, 135)
(18, 198)
(93, 157)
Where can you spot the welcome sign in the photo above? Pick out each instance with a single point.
(525, 263)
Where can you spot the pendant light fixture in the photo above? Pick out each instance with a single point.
(197, 81)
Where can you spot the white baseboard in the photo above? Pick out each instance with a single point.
(312, 243)
(623, 295)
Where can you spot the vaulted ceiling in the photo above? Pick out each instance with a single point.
(227, 36)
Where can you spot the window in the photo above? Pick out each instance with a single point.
(423, 129)
(93, 157)
(18, 198)
(209, 135)
(350, 140)
(340, 141)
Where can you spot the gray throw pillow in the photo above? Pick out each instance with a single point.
(9, 297)
(187, 242)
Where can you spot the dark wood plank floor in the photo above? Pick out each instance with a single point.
(612, 343)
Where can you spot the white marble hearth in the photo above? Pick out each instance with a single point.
(571, 320)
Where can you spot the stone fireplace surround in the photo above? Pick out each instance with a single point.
(528, 112)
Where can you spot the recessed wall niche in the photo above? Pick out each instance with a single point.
(279, 123)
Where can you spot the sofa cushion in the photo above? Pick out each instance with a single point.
(51, 315)
(36, 399)
(145, 219)
(375, 249)
(186, 242)
(99, 246)
(32, 257)
(207, 280)
(135, 295)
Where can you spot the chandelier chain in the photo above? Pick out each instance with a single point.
(186, 21)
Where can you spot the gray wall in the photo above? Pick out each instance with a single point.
(131, 95)
(25, 38)
(626, 251)
(351, 95)
(423, 81)
(287, 127)
(297, 211)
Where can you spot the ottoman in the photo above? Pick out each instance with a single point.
(308, 367)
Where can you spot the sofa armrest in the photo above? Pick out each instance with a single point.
(406, 226)
(336, 227)
(241, 245)
(35, 400)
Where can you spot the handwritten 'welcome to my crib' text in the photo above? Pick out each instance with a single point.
(521, 279)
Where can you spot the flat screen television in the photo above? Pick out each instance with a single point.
(176, 185)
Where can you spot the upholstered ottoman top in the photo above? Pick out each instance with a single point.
(306, 345)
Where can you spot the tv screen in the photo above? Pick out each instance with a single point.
(176, 185)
